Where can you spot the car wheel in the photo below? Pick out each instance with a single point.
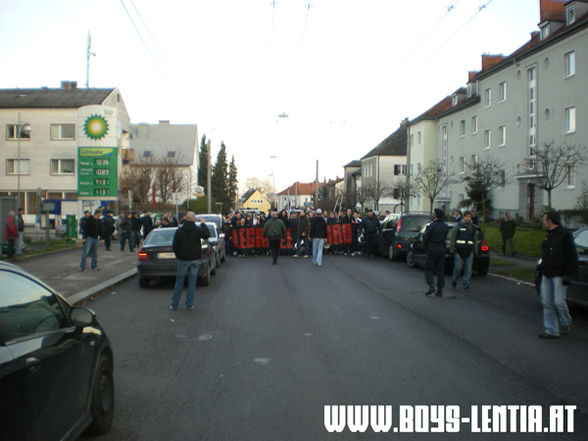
(410, 260)
(144, 282)
(102, 405)
(483, 270)
(205, 281)
(394, 254)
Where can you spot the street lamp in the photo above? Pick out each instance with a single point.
(21, 129)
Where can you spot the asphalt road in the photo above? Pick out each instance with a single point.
(268, 346)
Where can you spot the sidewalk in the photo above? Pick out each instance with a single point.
(60, 271)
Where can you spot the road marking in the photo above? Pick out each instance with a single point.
(205, 337)
(262, 361)
(308, 334)
(374, 317)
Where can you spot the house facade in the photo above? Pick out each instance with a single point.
(297, 195)
(383, 173)
(535, 96)
(43, 164)
(255, 199)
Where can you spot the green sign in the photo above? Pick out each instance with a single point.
(97, 172)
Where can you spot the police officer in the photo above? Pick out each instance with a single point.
(463, 243)
(371, 226)
(434, 240)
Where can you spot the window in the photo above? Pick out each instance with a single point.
(419, 168)
(502, 91)
(462, 164)
(63, 131)
(532, 84)
(12, 167)
(399, 169)
(171, 154)
(501, 178)
(571, 177)
(570, 123)
(62, 166)
(454, 100)
(462, 127)
(12, 133)
(411, 140)
(487, 138)
(474, 161)
(54, 195)
(570, 63)
(488, 97)
(147, 154)
(571, 15)
(544, 32)
(502, 135)
(474, 125)
(27, 308)
(419, 138)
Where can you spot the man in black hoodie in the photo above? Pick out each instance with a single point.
(559, 260)
(188, 249)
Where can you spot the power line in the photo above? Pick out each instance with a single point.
(308, 6)
(480, 9)
(147, 28)
(423, 38)
(141, 38)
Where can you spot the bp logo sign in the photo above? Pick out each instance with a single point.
(96, 127)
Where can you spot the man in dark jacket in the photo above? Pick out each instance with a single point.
(188, 250)
(371, 226)
(275, 230)
(126, 228)
(559, 260)
(302, 243)
(92, 233)
(107, 229)
(463, 244)
(147, 224)
(318, 234)
(434, 239)
(508, 227)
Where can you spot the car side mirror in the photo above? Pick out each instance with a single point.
(81, 316)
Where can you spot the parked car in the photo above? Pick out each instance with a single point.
(56, 363)
(210, 217)
(397, 232)
(418, 250)
(217, 241)
(156, 259)
(578, 287)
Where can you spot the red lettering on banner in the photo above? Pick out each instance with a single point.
(250, 238)
(337, 238)
(330, 234)
(259, 242)
(347, 234)
(288, 244)
(242, 238)
(236, 243)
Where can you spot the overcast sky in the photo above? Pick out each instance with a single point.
(346, 72)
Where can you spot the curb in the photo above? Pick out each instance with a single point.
(48, 253)
(512, 279)
(92, 292)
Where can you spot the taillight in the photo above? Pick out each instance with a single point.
(399, 246)
(399, 225)
(142, 255)
(484, 245)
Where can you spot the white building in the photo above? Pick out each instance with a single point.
(44, 162)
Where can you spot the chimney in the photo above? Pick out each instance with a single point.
(552, 10)
(69, 85)
(489, 61)
(472, 76)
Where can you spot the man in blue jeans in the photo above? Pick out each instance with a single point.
(318, 234)
(188, 249)
(91, 232)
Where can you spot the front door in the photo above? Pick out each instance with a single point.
(531, 200)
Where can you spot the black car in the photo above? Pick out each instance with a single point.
(578, 287)
(397, 232)
(56, 363)
(156, 259)
(418, 250)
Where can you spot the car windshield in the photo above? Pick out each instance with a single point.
(212, 230)
(160, 237)
(211, 218)
(414, 223)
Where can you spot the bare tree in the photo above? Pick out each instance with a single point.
(431, 181)
(487, 174)
(553, 164)
(376, 192)
(402, 192)
(138, 178)
(169, 176)
(253, 182)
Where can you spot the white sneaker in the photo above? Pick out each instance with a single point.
(319, 264)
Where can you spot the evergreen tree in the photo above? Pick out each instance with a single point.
(219, 177)
(202, 163)
(233, 184)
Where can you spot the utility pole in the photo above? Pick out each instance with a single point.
(208, 181)
(316, 186)
(88, 53)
